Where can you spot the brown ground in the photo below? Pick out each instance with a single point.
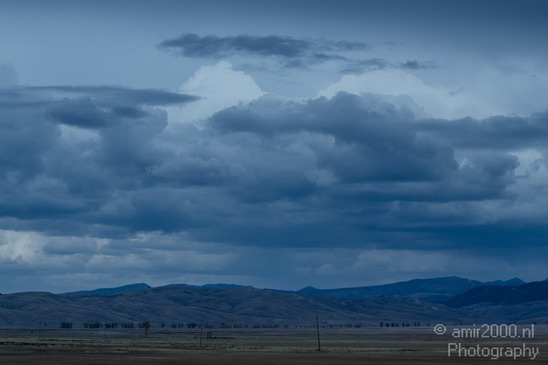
(365, 345)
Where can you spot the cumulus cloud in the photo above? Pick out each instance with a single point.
(499, 132)
(491, 91)
(219, 86)
(437, 102)
(44, 173)
(274, 157)
(350, 171)
(411, 161)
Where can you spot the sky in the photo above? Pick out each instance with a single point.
(274, 144)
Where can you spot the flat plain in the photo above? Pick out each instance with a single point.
(366, 345)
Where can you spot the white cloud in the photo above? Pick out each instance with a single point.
(488, 91)
(220, 86)
(514, 88)
(437, 102)
(21, 247)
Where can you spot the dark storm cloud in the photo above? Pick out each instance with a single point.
(347, 171)
(89, 107)
(416, 65)
(370, 143)
(192, 45)
(499, 235)
(44, 176)
(361, 66)
(113, 95)
(374, 144)
(500, 132)
(79, 113)
(346, 46)
(372, 64)
(291, 51)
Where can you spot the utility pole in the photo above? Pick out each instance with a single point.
(201, 330)
(318, 332)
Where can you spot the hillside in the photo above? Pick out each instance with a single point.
(112, 291)
(226, 304)
(184, 304)
(535, 291)
(431, 290)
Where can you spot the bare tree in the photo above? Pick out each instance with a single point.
(145, 325)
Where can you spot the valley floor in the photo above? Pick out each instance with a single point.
(366, 345)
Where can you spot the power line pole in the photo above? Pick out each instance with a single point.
(201, 330)
(318, 332)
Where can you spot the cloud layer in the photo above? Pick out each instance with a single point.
(308, 143)
(89, 170)
(293, 52)
(273, 172)
(290, 52)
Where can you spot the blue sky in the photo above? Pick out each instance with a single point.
(271, 144)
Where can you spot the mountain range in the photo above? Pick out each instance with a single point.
(530, 292)
(430, 290)
(233, 305)
(111, 291)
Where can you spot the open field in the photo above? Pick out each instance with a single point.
(366, 345)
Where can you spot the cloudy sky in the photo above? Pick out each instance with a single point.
(275, 144)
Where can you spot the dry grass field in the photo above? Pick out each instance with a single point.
(366, 345)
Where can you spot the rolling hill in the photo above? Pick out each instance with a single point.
(186, 304)
(226, 304)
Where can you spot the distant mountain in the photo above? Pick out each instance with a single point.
(222, 286)
(227, 304)
(511, 282)
(112, 291)
(529, 292)
(431, 290)
(191, 304)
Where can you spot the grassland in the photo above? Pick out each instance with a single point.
(366, 345)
